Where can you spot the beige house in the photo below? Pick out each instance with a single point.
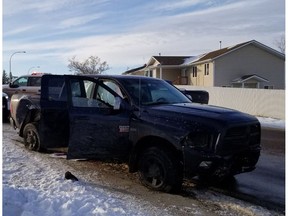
(246, 65)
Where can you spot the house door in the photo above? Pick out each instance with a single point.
(184, 78)
(200, 78)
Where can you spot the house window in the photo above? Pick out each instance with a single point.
(206, 72)
(268, 87)
(194, 71)
(148, 73)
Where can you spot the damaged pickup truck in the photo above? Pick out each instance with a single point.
(144, 122)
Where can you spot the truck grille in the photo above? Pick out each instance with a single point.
(241, 137)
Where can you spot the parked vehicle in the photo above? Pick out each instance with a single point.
(28, 84)
(5, 107)
(197, 96)
(145, 122)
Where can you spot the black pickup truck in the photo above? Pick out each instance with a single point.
(144, 122)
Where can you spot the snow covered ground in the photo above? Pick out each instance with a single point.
(33, 185)
(272, 123)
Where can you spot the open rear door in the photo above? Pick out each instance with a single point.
(54, 122)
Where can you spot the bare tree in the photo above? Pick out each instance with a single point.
(281, 44)
(92, 65)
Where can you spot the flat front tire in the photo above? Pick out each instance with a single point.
(31, 137)
(160, 170)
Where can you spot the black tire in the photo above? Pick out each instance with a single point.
(159, 170)
(31, 137)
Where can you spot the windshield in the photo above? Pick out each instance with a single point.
(153, 92)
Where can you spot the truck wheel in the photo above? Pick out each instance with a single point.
(159, 170)
(31, 137)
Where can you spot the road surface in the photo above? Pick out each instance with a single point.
(266, 185)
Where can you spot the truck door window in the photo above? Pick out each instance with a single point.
(82, 93)
(22, 81)
(34, 81)
(106, 96)
(56, 90)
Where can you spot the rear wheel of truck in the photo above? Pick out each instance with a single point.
(160, 170)
(31, 137)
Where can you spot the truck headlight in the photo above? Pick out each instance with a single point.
(202, 140)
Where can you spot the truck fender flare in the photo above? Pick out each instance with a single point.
(31, 116)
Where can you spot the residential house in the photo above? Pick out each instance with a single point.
(170, 68)
(245, 65)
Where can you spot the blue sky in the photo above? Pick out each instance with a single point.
(126, 33)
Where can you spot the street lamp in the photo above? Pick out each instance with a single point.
(32, 68)
(11, 59)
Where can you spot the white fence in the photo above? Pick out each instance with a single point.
(258, 102)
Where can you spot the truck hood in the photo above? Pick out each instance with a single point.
(199, 113)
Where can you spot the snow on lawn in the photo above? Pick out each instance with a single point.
(34, 185)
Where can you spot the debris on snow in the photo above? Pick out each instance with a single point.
(70, 176)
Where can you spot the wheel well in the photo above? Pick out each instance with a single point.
(33, 115)
(152, 141)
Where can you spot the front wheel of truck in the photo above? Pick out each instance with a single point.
(31, 137)
(160, 170)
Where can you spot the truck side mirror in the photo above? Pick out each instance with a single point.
(11, 85)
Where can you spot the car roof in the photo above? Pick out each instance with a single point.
(120, 77)
(33, 75)
(115, 77)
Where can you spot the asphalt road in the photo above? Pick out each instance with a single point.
(264, 186)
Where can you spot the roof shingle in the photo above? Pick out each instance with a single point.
(171, 60)
(219, 52)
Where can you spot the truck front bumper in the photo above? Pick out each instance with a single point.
(203, 164)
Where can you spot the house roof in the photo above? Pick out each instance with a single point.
(217, 53)
(221, 52)
(162, 60)
(134, 69)
(169, 60)
(246, 78)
